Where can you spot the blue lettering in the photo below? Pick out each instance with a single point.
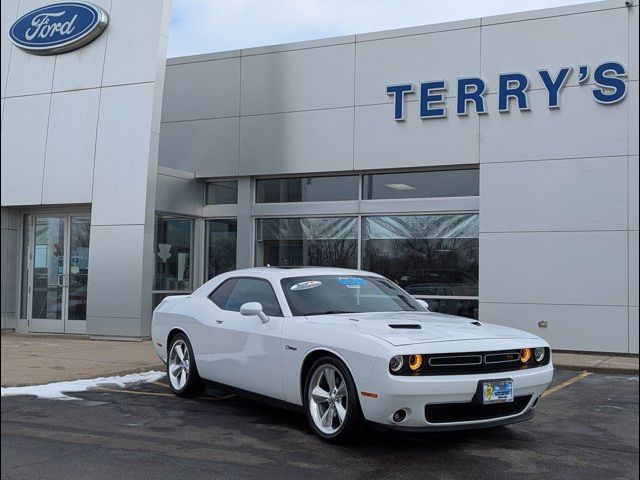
(583, 73)
(398, 92)
(427, 98)
(475, 95)
(554, 86)
(513, 85)
(611, 88)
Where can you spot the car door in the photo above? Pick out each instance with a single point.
(244, 352)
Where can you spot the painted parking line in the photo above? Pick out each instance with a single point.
(134, 392)
(565, 384)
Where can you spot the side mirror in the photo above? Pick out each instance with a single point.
(422, 303)
(252, 309)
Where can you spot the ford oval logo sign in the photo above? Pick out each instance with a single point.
(58, 28)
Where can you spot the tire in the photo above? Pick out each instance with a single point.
(334, 417)
(182, 372)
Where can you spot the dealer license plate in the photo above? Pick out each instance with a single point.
(500, 391)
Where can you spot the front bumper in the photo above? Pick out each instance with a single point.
(414, 393)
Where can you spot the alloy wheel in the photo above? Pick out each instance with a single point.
(179, 365)
(327, 399)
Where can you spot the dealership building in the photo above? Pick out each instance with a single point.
(488, 166)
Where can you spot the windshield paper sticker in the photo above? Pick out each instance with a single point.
(352, 282)
(306, 285)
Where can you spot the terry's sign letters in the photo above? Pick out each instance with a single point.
(609, 88)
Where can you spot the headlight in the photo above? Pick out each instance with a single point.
(525, 355)
(396, 363)
(415, 362)
(539, 354)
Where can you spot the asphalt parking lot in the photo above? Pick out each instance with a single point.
(586, 427)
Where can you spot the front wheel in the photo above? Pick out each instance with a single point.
(181, 368)
(331, 401)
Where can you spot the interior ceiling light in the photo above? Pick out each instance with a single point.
(400, 186)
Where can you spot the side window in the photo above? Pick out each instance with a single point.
(221, 294)
(254, 290)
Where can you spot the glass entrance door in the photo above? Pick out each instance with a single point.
(58, 269)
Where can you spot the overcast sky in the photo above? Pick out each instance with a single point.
(203, 26)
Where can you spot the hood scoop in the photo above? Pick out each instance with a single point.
(409, 326)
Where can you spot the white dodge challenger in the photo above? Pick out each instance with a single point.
(348, 346)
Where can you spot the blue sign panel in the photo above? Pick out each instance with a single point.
(58, 28)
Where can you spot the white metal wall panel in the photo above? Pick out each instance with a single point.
(291, 142)
(633, 192)
(25, 122)
(205, 147)
(7, 17)
(554, 42)
(134, 35)
(296, 80)
(577, 268)
(123, 139)
(580, 128)
(71, 141)
(570, 327)
(411, 59)
(202, 90)
(554, 195)
(381, 142)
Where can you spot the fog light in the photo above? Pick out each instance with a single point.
(539, 354)
(395, 364)
(525, 355)
(415, 362)
(399, 416)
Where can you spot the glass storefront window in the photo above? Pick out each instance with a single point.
(427, 255)
(24, 288)
(78, 267)
(173, 243)
(436, 183)
(221, 246)
(462, 308)
(222, 192)
(307, 189)
(311, 241)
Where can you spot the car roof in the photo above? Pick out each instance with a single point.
(287, 272)
(275, 274)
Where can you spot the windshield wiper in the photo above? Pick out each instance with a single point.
(329, 312)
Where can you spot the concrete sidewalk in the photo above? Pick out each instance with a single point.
(601, 363)
(38, 359)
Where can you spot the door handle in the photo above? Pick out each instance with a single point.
(219, 322)
(60, 281)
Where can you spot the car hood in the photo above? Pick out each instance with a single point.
(408, 328)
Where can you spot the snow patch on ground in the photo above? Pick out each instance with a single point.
(54, 390)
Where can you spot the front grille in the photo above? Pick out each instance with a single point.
(469, 363)
(467, 412)
(455, 360)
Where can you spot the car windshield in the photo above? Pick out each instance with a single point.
(327, 294)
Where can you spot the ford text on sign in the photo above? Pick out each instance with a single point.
(58, 28)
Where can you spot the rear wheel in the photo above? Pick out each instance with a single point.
(181, 368)
(331, 401)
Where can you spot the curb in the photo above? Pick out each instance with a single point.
(598, 369)
(145, 368)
